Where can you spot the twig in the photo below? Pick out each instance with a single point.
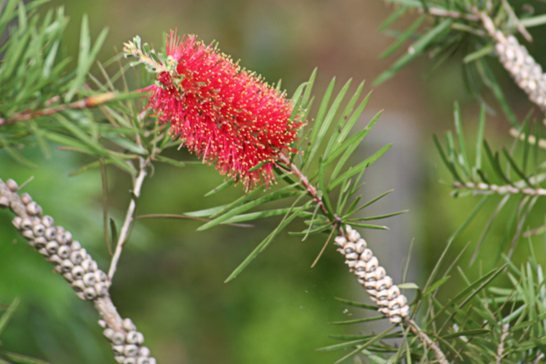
(305, 182)
(80, 104)
(501, 190)
(448, 14)
(531, 139)
(78, 268)
(129, 217)
(424, 338)
(500, 348)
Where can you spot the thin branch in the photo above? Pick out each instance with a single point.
(500, 347)
(129, 217)
(78, 268)
(305, 182)
(501, 190)
(80, 104)
(424, 338)
(531, 139)
(448, 14)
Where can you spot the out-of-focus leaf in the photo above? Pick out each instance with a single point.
(287, 219)
(20, 359)
(403, 37)
(414, 50)
(4, 319)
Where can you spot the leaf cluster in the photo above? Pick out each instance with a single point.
(8, 357)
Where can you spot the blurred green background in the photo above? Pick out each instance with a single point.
(170, 278)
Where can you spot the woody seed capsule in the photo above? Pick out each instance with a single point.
(131, 350)
(78, 272)
(25, 198)
(12, 185)
(118, 338)
(89, 293)
(52, 247)
(50, 233)
(17, 221)
(48, 221)
(34, 209)
(4, 201)
(128, 325)
(89, 279)
(64, 252)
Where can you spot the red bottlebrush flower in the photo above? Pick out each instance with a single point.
(221, 112)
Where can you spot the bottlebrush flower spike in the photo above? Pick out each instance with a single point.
(220, 111)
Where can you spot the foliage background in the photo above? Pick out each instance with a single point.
(170, 279)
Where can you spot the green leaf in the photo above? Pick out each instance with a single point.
(514, 165)
(393, 17)
(491, 82)
(344, 125)
(224, 185)
(357, 321)
(287, 219)
(277, 195)
(20, 359)
(350, 146)
(317, 126)
(436, 285)
(533, 21)
(172, 162)
(343, 345)
(408, 285)
(359, 167)
(416, 48)
(446, 161)
(482, 52)
(379, 217)
(463, 157)
(8, 314)
(262, 214)
(356, 304)
(495, 163)
(378, 337)
(403, 37)
(322, 123)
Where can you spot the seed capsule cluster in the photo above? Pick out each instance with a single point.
(56, 245)
(76, 266)
(127, 345)
(372, 276)
(524, 69)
